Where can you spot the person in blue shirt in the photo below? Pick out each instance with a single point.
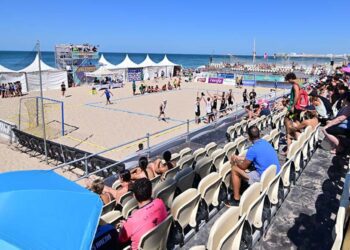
(261, 154)
(108, 94)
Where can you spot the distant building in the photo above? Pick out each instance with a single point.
(77, 59)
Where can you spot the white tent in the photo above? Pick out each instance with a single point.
(103, 61)
(126, 64)
(150, 68)
(100, 72)
(9, 75)
(51, 78)
(167, 66)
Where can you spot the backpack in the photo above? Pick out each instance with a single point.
(303, 100)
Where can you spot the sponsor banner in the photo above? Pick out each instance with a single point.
(135, 74)
(216, 80)
(226, 75)
(229, 81)
(249, 80)
(201, 79)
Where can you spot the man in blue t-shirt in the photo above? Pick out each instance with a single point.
(261, 154)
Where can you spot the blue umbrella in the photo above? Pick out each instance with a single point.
(43, 210)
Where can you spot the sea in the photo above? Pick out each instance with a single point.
(17, 60)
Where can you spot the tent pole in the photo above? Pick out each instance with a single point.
(42, 102)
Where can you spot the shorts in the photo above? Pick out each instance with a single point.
(295, 116)
(197, 113)
(254, 176)
(335, 130)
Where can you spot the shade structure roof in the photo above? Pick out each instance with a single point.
(346, 69)
(34, 66)
(166, 62)
(42, 210)
(3, 69)
(127, 63)
(101, 71)
(103, 61)
(147, 63)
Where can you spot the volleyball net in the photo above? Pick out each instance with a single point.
(32, 118)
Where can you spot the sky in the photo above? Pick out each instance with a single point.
(181, 26)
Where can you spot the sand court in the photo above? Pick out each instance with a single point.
(98, 126)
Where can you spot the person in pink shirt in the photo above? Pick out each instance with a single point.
(149, 215)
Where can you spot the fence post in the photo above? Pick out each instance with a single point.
(188, 130)
(148, 146)
(86, 165)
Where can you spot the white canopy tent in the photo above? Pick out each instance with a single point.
(122, 68)
(103, 61)
(9, 75)
(51, 78)
(100, 72)
(150, 68)
(167, 66)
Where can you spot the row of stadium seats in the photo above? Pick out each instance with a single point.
(341, 231)
(193, 205)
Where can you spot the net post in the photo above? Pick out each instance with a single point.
(37, 110)
(19, 114)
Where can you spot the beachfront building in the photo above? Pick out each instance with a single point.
(77, 60)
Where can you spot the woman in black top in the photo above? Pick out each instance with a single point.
(223, 104)
(63, 89)
(245, 99)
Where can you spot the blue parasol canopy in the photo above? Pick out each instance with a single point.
(43, 210)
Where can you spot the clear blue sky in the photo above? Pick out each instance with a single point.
(180, 26)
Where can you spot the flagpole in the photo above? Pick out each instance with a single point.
(42, 102)
(254, 52)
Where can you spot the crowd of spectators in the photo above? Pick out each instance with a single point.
(11, 89)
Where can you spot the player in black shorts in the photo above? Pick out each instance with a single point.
(197, 108)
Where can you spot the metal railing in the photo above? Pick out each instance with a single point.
(232, 112)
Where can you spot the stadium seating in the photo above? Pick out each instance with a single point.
(165, 190)
(185, 151)
(157, 237)
(184, 179)
(199, 154)
(210, 148)
(218, 157)
(185, 161)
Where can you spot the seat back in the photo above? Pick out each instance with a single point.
(230, 148)
(226, 233)
(267, 176)
(272, 190)
(210, 147)
(185, 206)
(209, 188)
(156, 238)
(225, 173)
(199, 154)
(275, 136)
(175, 157)
(129, 206)
(155, 181)
(165, 190)
(116, 184)
(184, 179)
(294, 152)
(218, 157)
(185, 151)
(255, 202)
(240, 141)
(203, 167)
(108, 207)
(171, 173)
(186, 161)
(285, 173)
(249, 196)
(125, 197)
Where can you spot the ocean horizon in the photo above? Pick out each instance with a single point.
(17, 60)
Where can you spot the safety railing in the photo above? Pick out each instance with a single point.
(6, 130)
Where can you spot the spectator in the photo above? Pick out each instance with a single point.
(310, 119)
(339, 126)
(150, 214)
(261, 154)
(125, 185)
(161, 166)
(97, 186)
(144, 170)
(252, 96)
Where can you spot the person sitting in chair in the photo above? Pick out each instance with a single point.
(261, 154)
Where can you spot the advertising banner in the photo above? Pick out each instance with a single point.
(229, 81)
(226, 75)
(201, 79)
(135, 74)
(249, 80)
(215, 80)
